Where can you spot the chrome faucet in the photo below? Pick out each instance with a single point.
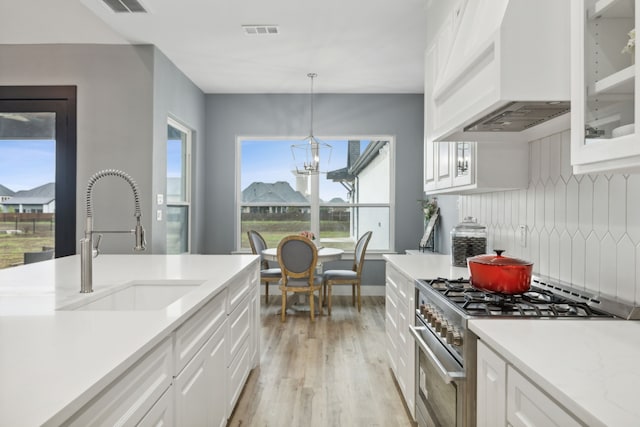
(86, 244)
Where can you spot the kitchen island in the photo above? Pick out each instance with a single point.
(58, 359)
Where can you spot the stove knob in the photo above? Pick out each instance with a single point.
(438, 324)
(449, 337)
(432, 318)
(457, 338)
(444, 328)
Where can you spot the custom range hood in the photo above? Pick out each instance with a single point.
(501, 72)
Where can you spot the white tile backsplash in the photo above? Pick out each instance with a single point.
(581, 229)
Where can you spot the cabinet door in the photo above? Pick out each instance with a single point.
(391, 320)
(462, 154)
(528, 406)
(193, 333)
(430, 156)
(406, 344)
(492, 388)
(200, 389)
(444, 172)
(604, 99)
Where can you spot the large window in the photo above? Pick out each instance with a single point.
(37, 173)
(352, 193)
(178, 187)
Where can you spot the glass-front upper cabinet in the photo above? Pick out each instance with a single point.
(463, 163)
(604, 136)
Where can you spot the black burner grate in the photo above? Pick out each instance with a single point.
(536, 302)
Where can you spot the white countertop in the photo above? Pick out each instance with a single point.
(52, 362)
(591, 367)
(427, 266)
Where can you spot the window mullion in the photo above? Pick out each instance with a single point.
(315, 204)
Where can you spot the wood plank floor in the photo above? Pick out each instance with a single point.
(333, 372)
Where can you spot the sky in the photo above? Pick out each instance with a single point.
(26, 164)
(270, 161)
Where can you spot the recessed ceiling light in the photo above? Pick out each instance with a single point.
(260, 30)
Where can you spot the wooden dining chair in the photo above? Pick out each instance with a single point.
(351, 277)
(268, 274)
(298, 257)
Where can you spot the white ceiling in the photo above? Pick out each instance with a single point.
(355, 46)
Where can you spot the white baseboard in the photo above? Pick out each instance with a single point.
(374, 291)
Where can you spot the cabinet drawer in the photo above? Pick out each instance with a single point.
(528, 406)
(239, 287)
(161, 414)
(394, 277)
(238, 372)
(193, 333)
(239, 323)
(126, 401)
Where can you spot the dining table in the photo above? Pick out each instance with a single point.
(324, 254)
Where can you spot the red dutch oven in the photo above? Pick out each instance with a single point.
(497, 273)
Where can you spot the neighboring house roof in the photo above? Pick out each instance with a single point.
(356, 162)
(366, 157)
(264, 192)
(4, 191)
(41, 195)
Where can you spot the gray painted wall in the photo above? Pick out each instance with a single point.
(114, 123)
(176, 96)
(124, 96)
(231, 115)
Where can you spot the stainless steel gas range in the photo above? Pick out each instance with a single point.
(446, 348)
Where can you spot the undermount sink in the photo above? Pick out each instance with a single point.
(134, 297)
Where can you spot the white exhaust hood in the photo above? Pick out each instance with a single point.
(506, 75)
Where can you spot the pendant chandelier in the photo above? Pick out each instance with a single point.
(307, 155)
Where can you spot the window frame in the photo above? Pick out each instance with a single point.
(315, 204)
(173, 122)
(63, 101)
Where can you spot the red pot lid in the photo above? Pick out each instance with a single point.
(498, 259)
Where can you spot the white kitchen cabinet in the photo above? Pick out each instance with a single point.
(604, 99)
(238, 358)
(528, 406)
(200, 387)
(127, 399)
(161, 414)
(507, 398)
(391, 323)
(464, 167)
(491, 386)
(195, 331)
(400, 313)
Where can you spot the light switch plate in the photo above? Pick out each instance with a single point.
(159, 214)
(160, 199)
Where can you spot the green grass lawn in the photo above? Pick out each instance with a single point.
(13, 246)
(274, 231)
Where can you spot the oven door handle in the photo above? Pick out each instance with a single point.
(447, 376)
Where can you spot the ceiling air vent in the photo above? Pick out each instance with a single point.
(125, 6)
(260, 30)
